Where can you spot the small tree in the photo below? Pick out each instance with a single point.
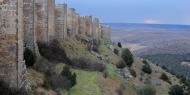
(147, 69)
(29, 57)
(119, 44)
(176, 90)
(127, 57)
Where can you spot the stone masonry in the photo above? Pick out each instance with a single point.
(12, 68)
(24, 22)
(61, 21)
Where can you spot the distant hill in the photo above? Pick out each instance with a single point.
(167, 45)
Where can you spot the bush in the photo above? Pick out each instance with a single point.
(121, 64)
(119, 44)
(116, 51)
(176, 90)
(87, 64)
(147, 69)
(53, 52)
(147, 90)
(5, 90)
(133, 72)
(127, 57)
(29, 57)
(165, 78)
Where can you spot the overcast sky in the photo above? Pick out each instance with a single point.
(135, 11)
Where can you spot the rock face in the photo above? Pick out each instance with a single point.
(12, 67)
(24, 22)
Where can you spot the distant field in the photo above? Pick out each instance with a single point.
(167, 45)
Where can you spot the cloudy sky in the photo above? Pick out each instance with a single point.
(135, 11)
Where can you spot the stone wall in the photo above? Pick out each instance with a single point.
(59, 18)
(24, 22)
(12, 66)
(71, 22)
(96, 29)
(105, 33)
(51, 19)
(29, 38)
(41, 20)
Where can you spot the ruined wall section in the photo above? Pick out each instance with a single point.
(96, 29)
(59, 15)
(71, 22)
(89, 26)
(82, 26)
(29, 35)
(12, 65)
(61, 21)
(41, 20)
(51, 19)
(105, 33)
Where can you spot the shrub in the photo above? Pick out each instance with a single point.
(133, 72)
(147, 69)
(165, 78)
(116, 51)
(121, 64)
(53, 52)
(119, 44)
(127, 57)
(29, 57)
(176, 90)
(147, 90)
(87, 64)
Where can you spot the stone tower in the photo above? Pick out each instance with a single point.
(29, 34)
(60, 18)
(12, 67)
(41, 20)
(51, 19)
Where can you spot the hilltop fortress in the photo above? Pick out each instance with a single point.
(24, 22)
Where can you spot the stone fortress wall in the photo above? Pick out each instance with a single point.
(24, 22)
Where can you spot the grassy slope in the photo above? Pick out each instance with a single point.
(93, 83)
(87, 83)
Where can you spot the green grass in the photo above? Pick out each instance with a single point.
(87, 84)
(111, 69)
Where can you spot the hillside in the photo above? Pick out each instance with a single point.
(173, 62)
(93, 82)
